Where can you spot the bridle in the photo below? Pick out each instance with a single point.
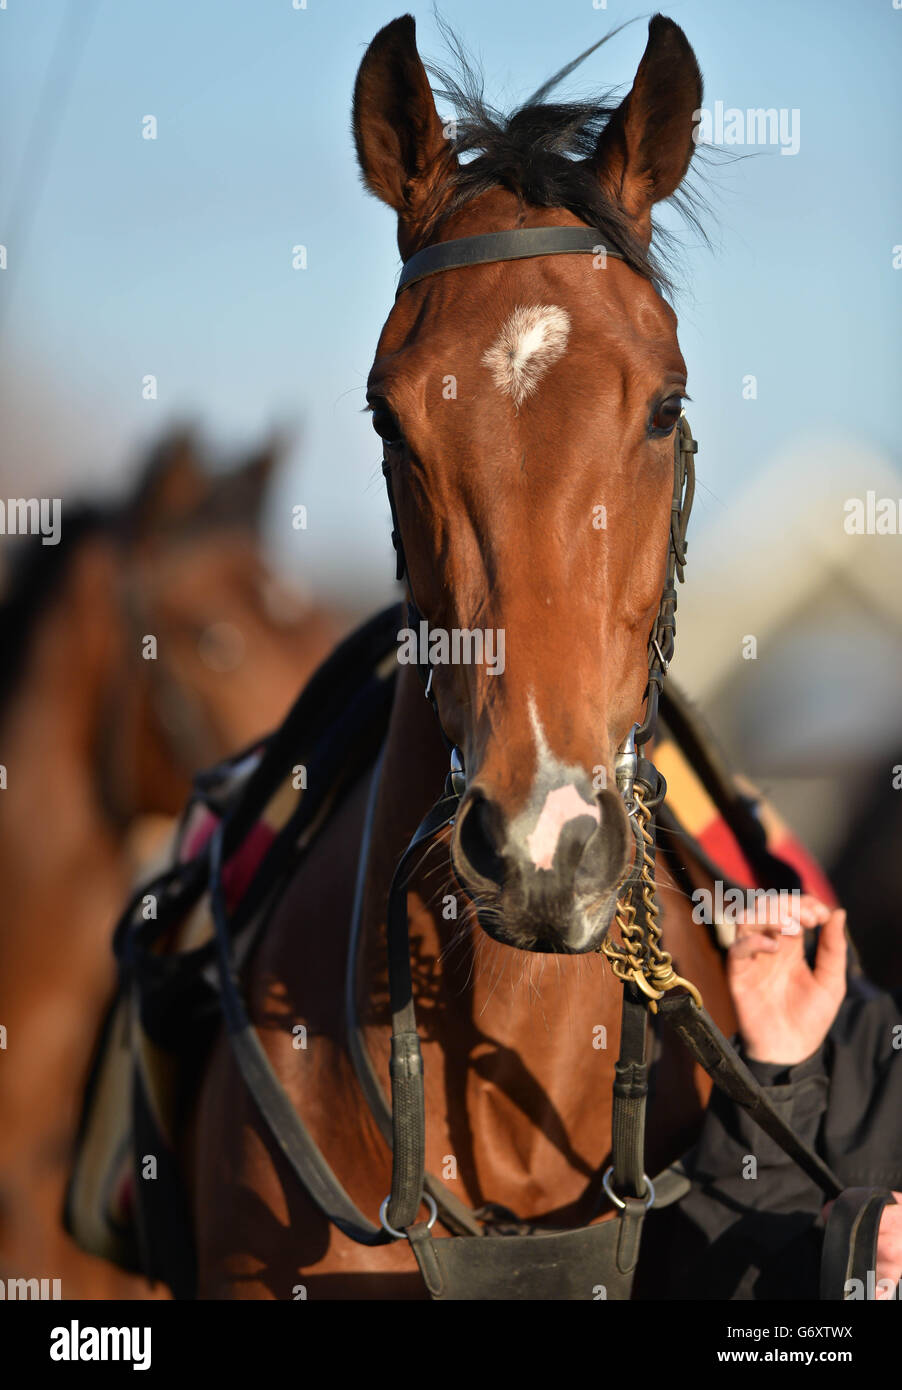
(642, 794)
(641, 960)
(556, 1264)
(641, 963)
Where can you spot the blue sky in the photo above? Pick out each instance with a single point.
(174, 256)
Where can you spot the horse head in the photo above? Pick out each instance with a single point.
(231, 643)
(527, 413)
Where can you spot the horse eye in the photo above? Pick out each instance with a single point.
(666, 415)
(386, 425)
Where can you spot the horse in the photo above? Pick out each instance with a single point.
(527, 409)
(151, 639)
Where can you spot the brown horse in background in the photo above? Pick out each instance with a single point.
(96, 738)
(568, 382)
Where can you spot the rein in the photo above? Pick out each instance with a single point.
(544, 1264)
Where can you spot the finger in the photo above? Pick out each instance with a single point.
(812, 912)
(780, 911)
(889, 1242)
(751, 928)
(830, 959)
(752, 944)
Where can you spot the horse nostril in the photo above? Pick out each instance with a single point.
(479, 839)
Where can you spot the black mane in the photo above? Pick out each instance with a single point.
(538, 152)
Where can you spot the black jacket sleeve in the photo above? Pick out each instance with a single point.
(752, 1227)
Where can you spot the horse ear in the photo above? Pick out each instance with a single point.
(403, 153)
(644, 151)
(237, 497)
(172, 486)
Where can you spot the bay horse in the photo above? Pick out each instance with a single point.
(517, 403)
(99, 746)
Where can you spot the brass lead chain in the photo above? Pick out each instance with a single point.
(641, 958)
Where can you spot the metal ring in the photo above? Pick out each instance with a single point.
(402, 1235)
(618, 1201)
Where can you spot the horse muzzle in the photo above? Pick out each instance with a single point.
(547, 879)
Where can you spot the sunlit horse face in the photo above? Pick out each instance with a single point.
(527, 411)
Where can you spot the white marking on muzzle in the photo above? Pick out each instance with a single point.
(531, 339)
(562, 805)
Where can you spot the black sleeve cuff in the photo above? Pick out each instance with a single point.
(778, 1073)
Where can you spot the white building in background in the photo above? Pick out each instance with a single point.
(789, 628)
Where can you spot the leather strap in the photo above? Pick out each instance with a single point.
(453, 1213)
(520, 243)
(630, 1096)
(408, 1105)
(591, 1263)
(850, 1240)
(707, 1044)
(270, 1096)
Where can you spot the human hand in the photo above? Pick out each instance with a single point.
(888, 1273)
(889, 1250)
(784, 1007)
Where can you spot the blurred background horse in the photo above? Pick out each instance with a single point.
(153, 640)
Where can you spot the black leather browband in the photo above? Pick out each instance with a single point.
(515, 245)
